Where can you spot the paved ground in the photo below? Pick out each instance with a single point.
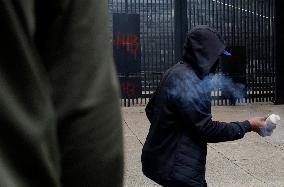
(251, 162)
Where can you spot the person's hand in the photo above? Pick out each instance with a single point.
(257, 124)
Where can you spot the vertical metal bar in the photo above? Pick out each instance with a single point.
(248, 52)
(269, 44)
(151, 46)
(213, 14)
(180, 26)
(261, 74)
(222, 21)
(142, 39)
(206, 11)
(161, 34)
(201, 12)
(194, 12)
(189, 8)
(217, 27)
(217, 17)
(251, 49)
(155, 49)
(157, 36)
(267, 51)
(245, 39)
(256, 55)
(250, 31)
(167, 36)
(171, 35)
(209, 14)
(147, 56)
(235, 32)
(227, 26)
(165, 27)
(243, 43)
(272, 44)
(142, 73)
(126, 6)
(266, 35)
(198, 12)
(262, 46)
(224, 32)
(279, 67)
(234, 35)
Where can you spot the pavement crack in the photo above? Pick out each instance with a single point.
(243, 169)
(274, 145)
(133, 132)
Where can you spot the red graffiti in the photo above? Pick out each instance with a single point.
(128, 88)
(129, 40)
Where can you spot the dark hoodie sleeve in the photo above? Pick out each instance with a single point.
(195, 114)
(198, 119)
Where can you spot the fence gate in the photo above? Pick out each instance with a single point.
(246, 25)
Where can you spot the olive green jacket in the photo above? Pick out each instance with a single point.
(60, 121)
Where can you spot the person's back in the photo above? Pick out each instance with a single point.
(57, 82)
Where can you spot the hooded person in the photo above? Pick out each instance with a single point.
(174, 153)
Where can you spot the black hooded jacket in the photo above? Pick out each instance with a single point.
(180, 115)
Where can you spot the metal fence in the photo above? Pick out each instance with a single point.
(247, 26)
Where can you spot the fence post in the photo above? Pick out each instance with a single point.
(279, 21)
(181, 26)
(126, 6)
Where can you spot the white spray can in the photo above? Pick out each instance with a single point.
(271, 123)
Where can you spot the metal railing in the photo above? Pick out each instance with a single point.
(246, 24)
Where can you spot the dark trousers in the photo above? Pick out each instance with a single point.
(173, 183)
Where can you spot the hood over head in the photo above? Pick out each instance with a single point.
(202, 48)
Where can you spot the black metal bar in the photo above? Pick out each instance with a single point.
(194, 12)
(253, 51)
(201, 13)
(147, 49)
(266, 47)
(250, 31)
(180, 11)
(279, 92)
(210, 14)
(273, 45)
(213, 15)
(155, 49)
(167, 38)
(233, 23)
(269, 49)
(256, 57)
(142, 41)
(189, 8)
(261, 47)
(151, 47)
(244, 41)
(247, 51)
(172, 38)
(206, 12)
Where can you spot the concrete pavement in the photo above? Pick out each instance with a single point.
(250, 162)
